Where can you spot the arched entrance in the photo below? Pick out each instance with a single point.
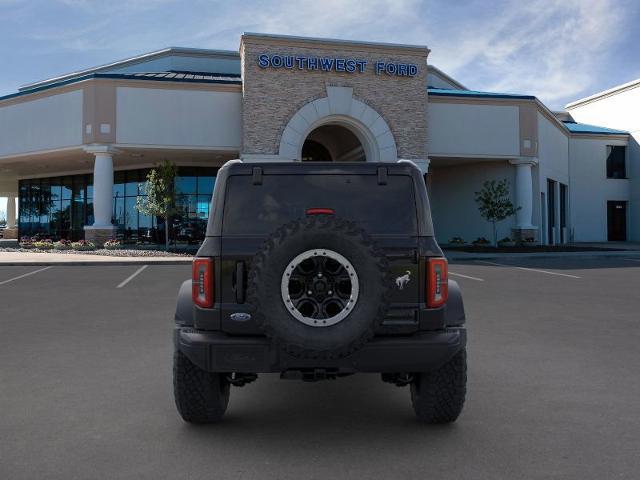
(332, 142)
(337, 126)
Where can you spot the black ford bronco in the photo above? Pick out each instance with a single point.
(317, 271)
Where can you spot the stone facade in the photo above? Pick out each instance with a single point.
(98, 235)
(10, 233)
(524, 234)
(272, 96)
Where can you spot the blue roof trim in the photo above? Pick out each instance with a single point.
(225, 79)
(575, 127)
(445, 92)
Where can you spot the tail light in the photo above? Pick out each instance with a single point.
(202, 282)
(437, 282)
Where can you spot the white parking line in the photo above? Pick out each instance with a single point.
(24, 275)
(528, 269)
(466, 276)
(132, 276)
(632, 259)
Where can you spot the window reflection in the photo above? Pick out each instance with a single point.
(60, 207)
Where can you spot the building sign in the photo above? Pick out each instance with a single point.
(336, 64)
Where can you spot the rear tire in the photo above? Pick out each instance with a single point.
(438, 396)
(201, 396)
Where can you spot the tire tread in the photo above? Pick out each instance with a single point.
(438, 396)
(200, 396)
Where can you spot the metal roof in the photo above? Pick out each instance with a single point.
(186, 77)
(575, 127)
(176, 75)
(445, 92)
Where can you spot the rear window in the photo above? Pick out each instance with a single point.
(259, 209)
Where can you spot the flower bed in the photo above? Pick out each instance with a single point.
(62, 245)
(112, 248)
(112, 244)
(83, 245)
(119, 252)
(43, 244)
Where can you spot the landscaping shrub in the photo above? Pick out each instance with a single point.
(112, 244)
(62, 245)
(83, 245)
(481, 241)
(46, 244)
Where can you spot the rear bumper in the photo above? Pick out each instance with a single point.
(218, 352)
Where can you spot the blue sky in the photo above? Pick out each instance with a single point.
(557, 50)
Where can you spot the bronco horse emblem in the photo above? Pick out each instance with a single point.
(403, 280)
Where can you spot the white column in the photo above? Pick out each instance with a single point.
(11, 212)
(102, 186)
(102, 190)
(524, 192)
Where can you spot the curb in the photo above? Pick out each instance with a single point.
(498, 256)
(75, 263)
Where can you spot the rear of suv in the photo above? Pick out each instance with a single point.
(318, 271)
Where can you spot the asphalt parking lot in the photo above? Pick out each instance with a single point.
(554, 383)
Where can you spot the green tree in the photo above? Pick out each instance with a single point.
(494, 203)
(160, 199)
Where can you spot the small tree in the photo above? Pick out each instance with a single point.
(494, 203)
(160, 193)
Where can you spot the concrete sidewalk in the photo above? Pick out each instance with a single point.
(36, 259)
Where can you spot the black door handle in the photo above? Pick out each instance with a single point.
(240, 282)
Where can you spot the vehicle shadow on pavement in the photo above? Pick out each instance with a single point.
(343, 412)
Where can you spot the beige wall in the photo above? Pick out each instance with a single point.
(272, 96)
(179, 117)
(473, 129)
(590, 189)
(619, 110)
(45, 123)
(453, 207)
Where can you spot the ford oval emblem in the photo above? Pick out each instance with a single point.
(240, 317)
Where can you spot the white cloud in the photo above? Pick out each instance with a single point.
(552, 49)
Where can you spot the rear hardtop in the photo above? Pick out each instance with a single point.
(381, 173)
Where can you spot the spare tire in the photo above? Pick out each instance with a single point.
(319, 286)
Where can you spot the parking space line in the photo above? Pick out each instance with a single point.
(466, 276)
(132, 276)
(25, 275)
(528, 269)
(632, 259)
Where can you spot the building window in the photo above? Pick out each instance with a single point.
(551, 211)
(616, 161)
(56, 207)
(60, 207)
(564, 201)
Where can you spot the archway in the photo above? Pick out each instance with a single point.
(346, 118)
(332, 142)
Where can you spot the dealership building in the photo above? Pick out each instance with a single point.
(75, 149)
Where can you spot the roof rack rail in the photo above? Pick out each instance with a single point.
(404, 160)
